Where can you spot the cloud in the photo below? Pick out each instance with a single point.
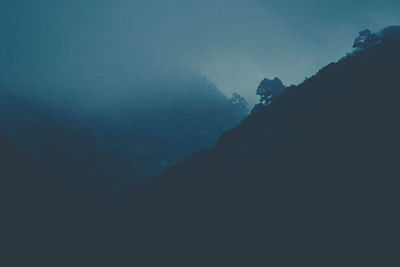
(70, 47)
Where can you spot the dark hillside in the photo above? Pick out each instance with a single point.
(312, 179)
(18, 171)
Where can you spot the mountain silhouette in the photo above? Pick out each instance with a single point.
(310, 180)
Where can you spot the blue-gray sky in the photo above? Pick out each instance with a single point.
(87, 44)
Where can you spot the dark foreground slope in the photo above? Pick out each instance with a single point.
(311, 180)
(44, 219)
(20, 174)
(28, 193)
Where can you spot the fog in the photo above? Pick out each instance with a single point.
(79, 51)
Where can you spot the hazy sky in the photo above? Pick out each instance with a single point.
(88, 43)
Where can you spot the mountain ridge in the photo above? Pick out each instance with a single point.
(312, 179)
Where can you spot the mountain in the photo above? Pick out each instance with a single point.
(310, 180)
(164, 122)
(45, 141)
(152, 125)
(68, 176)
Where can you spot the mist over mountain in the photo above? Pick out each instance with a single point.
(65, 50)
(120, 143)
(199, 133)
(310, 178)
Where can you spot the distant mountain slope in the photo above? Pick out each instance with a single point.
(159, 123)
(45, 141)
(310, 180)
